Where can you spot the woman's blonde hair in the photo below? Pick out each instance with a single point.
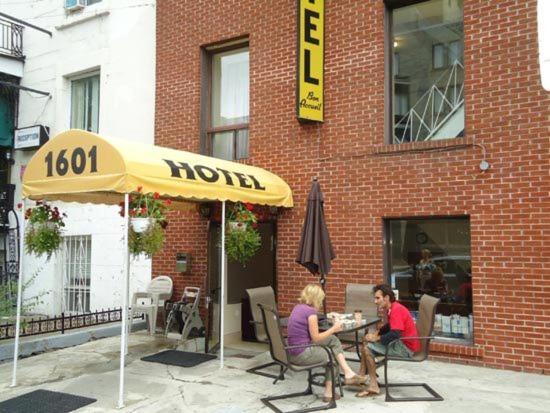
(312, 295)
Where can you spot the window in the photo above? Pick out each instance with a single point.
(227, 127)
(76, 268)
(432, 256)
(90, 2)
(85, 103)
(427, 56)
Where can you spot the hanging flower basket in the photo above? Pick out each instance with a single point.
(147, 222)
(44, 230)
(242, 240)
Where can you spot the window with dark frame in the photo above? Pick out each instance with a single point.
(226, 93)
(425, 49)
(432, 256)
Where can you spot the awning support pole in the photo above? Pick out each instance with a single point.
(222, 284)
(19, 295)
(123, 330)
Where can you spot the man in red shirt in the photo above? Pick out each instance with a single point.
(391, 337)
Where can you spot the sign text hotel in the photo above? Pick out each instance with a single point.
(309, 99)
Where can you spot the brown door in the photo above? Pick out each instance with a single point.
(258, 272)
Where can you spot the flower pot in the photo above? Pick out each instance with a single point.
(140, 225)
(237, 226)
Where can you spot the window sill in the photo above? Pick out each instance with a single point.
(424, 146)
(441, 347)
(77, 21)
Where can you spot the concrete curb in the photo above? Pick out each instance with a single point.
(39, 344)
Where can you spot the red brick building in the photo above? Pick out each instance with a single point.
(391, 190)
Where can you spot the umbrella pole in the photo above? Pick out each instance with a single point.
(222, 286)
(323, 280)
(19, 298)
(123, 332)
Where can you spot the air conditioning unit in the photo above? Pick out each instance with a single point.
(72, 5)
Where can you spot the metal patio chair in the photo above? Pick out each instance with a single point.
(358, 297)
(424, 327)
(279, 352)
(148, 302)
(266, 297)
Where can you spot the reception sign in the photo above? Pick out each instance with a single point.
(311, 21)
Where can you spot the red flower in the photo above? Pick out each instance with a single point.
(19, 205)
(167, 202)
(144, 211)
(156, 195)
(249, 206)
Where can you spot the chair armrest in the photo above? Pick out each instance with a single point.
(331, 355)
(142, 294)
(408, 338)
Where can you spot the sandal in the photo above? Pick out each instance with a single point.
(355, 380)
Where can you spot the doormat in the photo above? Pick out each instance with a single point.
(179, 358)
(44, 401)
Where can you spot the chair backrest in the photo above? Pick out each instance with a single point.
(191, 295)
(274, 334)
(360, 297)
(425, 323)
(161, 285)
(266, 297)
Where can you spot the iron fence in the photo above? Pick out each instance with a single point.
(11, 38)
(62, 323)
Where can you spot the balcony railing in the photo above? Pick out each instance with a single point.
(11, 39)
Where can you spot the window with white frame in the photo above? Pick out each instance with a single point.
(76, 269)
(85, 103)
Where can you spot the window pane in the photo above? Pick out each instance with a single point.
(427, 43)
(76, 256)
(223, 146)
(242, 144)
(85, 104)
(432, 256)
(230, 88)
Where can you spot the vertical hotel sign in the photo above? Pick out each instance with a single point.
(311, 47)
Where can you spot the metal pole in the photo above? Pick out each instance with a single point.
(124, 317)
(19, 298)
(222, 285)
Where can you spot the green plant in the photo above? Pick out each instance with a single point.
(149, 242)
(8, 298)
(43, 234)
(242, 239)
(241, 245)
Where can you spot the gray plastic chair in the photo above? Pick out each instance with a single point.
(424, 326)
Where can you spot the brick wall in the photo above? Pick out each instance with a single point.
(365, 181)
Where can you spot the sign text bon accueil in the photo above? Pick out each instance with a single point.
(311, 22)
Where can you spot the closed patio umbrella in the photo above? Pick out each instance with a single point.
(315, 251)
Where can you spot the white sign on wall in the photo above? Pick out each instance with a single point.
(543, 17)
(30, 138)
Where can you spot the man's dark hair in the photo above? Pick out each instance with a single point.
(386, 290)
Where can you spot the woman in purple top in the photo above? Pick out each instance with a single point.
(303, 328)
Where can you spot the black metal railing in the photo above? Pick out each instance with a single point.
(11, 38)
(62, 323)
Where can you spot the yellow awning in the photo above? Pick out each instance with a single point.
(79, 166)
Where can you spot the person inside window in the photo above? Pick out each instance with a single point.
(392, 337)
(303, 329)
(424, 268)
(437, 285)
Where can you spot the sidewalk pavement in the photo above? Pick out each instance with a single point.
(91, 370)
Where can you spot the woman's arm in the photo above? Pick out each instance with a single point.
(313, 326)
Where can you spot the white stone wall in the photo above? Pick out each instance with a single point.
(117, 39)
